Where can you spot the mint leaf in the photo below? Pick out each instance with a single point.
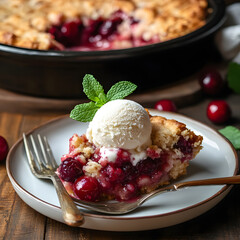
(233, 77)
(84, 112)
(120, 90)
(233, 135)
(93, 89)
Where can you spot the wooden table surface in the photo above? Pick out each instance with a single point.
(19, 221)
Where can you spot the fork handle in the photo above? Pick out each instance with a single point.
(71, 214)
(213, 181)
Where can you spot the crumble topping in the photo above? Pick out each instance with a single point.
(25, 23)
(92, 168)
(80, 146)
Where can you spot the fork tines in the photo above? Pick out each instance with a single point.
(39, 154)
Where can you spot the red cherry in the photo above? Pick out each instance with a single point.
(211, 82)
(55, 31)
(165, 105)
(70, 29)
(70, 169)
(218, 111)
(109, 26)
(3, 148)
(87, 188)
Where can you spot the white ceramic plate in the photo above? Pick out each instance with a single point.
(217, 159)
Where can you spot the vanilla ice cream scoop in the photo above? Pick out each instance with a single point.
(120, 124)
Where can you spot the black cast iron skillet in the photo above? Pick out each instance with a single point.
(58, 74)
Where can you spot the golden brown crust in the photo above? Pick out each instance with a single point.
(23, 23)
(179, 169)
(166, 133)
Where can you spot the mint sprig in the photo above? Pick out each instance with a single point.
(233, 135)
(95, 92)
(233, 76)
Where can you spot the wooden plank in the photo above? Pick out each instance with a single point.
(19, 221)
(25, 223)
(57, 230)
(9, 126)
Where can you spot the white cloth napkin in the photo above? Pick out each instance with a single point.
(228, 38)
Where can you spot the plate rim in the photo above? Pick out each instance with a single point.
(116, 217)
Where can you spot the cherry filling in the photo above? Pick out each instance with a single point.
(120, 179)
(184, 145)
(95, 34)
(68, 34)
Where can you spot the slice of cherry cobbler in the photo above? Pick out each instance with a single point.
(125, 152)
